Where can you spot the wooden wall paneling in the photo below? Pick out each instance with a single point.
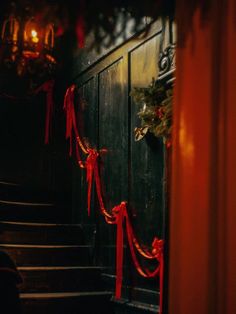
(146, 190)
(130, 171)
(87, 118)
(113, 126)
(96, 65)
(113, 130)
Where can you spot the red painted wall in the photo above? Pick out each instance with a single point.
(203, 199)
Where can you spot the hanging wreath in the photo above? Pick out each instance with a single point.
(156, 113)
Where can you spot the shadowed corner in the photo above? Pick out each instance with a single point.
(9, 281)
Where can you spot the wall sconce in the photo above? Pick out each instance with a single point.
(28, 47)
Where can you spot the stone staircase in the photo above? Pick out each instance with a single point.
(52, 258)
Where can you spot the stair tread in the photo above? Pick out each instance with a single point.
(150, 308)
(9, 183)
(5, 202)
(43, 233)
(40, 268)
(26, 255)
(36, 224)
(51, 255)
(56, 295)
(45, 246)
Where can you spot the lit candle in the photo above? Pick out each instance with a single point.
(34, 35)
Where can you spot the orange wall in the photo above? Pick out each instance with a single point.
(203, 199)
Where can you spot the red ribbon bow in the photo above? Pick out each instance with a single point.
(48, 88)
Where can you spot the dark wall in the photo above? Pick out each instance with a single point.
(130, 170)
(24, 158)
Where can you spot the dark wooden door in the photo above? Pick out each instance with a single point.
(131, 171)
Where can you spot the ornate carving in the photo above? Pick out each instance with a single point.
(166, 61)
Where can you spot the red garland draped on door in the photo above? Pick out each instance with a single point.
(119, 214)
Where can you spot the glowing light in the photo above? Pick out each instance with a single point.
(34, 35)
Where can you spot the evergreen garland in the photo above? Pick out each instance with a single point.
(156, 113)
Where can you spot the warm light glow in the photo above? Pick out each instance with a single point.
(186, 143)
(34, 35)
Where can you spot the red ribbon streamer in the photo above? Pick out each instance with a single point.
(48, 88)
(80, 26)
(69, 109)
(119, 249)
(91, 165)
(119, 213)
(71, 125)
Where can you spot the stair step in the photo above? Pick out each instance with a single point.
(25, 204)
(67, 303)
(133, 307)
(48, 255)
(142, 295)
(15, 191)
(40, 233)
(60, 279)
(29, 211)
(9, 183)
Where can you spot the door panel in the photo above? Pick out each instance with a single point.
(113, 130)
(131, 171)
(146, 155)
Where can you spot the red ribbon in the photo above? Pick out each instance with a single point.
(91, 165)
(48, 88)
(71, 125)
(69, 109)
(158, 251)
(80, 26)
(119, 213)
